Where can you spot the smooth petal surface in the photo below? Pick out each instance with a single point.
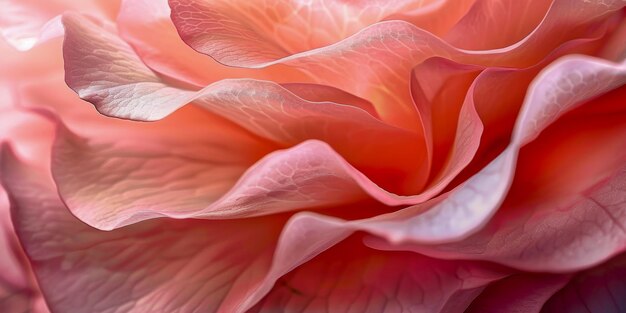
(352, 278)
(26, 23)
(131, 90)
(559, 89)
(538, 227)
(491, 24)
(162, 265)
(391, 49)
(600, 289)
(263, 32)
(520, 293)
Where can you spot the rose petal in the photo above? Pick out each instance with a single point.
(263, 32)
(599, 290)
(352, 278)
(552, 220)
(558, 89)
(521, 293)
(159, 265)
(163, 265)
(492, 24)
(391, 49)
(262, 107)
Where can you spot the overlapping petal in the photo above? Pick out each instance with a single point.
(560, 88)
(199, 265)
(383, 54)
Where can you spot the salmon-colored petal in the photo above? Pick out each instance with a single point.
(168, 55)
(264, 108)
(598, 290)
(250, 33)
(162, 265)
(391, 49)
(438, 17)
(492, 24)
(552, 220)
(466, 209)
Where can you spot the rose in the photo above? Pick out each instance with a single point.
(403, 122)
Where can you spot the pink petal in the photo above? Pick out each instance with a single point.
(392, 48)
(162, 265)
(492, 24)
(167, 54)
(280, 117)
(438, 17)
(26, 23)
(251, 33)
(598, 290)
(521, 293)
(268, 110)
(552, 220)
(262, 107)
(352, 278)
(557, 90)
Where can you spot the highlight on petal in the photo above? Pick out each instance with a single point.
(26, 23)
(491, 24)
(352, 278)
(168, 55)
(159, 265)
(466, 209)
(391, 49)
(249, 33)
(198, 265)
(261, 107)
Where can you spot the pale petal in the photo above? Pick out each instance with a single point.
(250, 33)
(26, 23)
(167, 54)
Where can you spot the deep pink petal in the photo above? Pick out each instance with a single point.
(466, 209)
(26, 23)
(598, 290)
(352, 278)
(520, 293)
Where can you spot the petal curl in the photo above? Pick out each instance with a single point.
(390, 49)
(466, 209)
(552, 220)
